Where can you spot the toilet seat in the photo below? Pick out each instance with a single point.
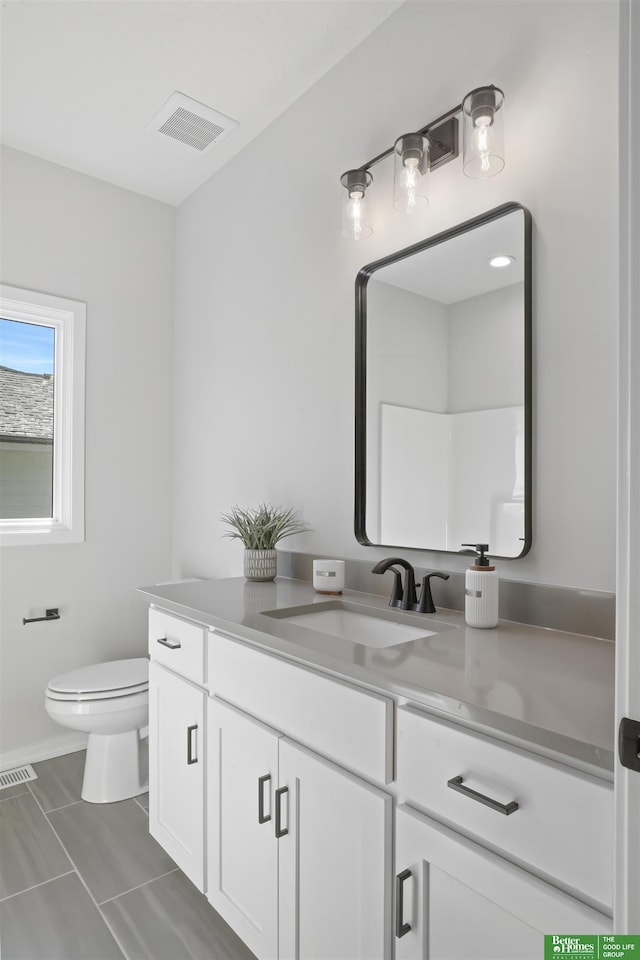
(101, 681)
(104, 695)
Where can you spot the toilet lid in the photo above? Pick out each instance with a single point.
(114, 677)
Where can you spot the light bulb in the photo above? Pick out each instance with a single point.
(483, 116)
(411, 168)
(356, 208)
(408, 180)
(481, 142)
(355, 224)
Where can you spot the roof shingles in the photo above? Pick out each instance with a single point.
(26, 406)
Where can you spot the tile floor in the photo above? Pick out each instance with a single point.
(83, 881)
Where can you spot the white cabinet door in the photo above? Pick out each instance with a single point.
(335, 861)
(176, 769)
(457, 901)
(242, 845)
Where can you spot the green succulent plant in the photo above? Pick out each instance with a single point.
(260, 528)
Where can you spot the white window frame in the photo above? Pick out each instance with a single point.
(68, 318)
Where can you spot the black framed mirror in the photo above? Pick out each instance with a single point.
(443, 425)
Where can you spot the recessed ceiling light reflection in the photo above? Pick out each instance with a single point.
(501, 261)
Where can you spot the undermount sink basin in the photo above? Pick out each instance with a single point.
(339, 618)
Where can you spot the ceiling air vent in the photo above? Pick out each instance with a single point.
(192, 123)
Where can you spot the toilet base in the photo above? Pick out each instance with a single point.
(115, 767)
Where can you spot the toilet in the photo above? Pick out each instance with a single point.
(110, 702)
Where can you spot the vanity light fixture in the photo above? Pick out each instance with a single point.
(483, 150)
(503, 260)
(410, 175)
(355, 225)
(417, 154)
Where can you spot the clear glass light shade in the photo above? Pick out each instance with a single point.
(356, 223)
(482, 132)
(410, 173)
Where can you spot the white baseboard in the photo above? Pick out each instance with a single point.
(43, 750)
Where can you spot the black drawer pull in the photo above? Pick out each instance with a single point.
(457, 783)
(191, 753)
(401, 926)
(279, 794)
(261, 783)
(172, 644)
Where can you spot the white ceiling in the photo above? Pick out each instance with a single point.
(81, 79)
(458, 268)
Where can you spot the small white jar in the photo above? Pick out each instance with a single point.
(328, 576)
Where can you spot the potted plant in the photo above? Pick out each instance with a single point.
(260, 528)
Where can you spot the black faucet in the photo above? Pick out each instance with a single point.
(406, 599)
(426, 604)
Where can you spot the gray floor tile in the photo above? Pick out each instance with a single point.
(59, 780)
(143, 800)
(110, 845)
(56, 921)
(170, 920)
(14, 791)
(29, 850)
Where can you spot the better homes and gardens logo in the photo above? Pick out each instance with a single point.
(595, 947)
(570, 946)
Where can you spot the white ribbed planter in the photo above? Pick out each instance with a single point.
(260, 564)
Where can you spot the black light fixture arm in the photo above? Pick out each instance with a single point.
(443, 144)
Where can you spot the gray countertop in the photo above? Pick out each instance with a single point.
(549, 691)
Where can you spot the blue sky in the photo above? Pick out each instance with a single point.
(26, 346)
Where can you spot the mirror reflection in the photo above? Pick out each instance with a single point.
(443, 412)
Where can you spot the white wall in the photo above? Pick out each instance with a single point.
(407, 345)
(73, 236)
(445, 478)
(264, 283)
(407, 349)
(486, 350)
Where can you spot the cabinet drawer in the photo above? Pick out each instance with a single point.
(351, 726)
(563, 824)
(177, 644)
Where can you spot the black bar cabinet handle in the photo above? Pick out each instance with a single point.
(279, 794)
(172, 644)
(53, 613)
(261, 783)
(457, 783)
(191, 757)
(401, 926)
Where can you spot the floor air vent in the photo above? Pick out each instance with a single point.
(191, 123)
(10, 778)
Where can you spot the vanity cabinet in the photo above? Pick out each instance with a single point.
(302, 772)
(456, 900)
(176, 741)
(299, 849)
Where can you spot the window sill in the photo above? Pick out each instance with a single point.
(22, 533)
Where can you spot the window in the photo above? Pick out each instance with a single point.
(42, 345)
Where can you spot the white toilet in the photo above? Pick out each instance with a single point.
(110, 702)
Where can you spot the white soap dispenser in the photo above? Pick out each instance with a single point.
(481, 590)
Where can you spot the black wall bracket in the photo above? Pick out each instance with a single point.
(629, 743)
